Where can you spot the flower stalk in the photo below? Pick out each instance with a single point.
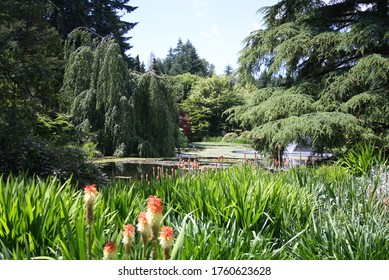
(90, 195)
(128, 237)
(145, 231)
(166, 241)
(154, 218)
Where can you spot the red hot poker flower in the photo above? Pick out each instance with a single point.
(90, 193)
(109, 252)
(144, 227)
(166, 237)
(154, 205)
(154, 214)
(128, 231)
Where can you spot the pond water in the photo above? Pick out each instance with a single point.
(144, 170)
(130, 170)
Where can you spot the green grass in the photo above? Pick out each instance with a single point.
(238, 213)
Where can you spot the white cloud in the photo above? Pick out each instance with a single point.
(201, 7)
(212, 32)
(200, 13)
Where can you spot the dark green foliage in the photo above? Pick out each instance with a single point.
(333, 60)
(123, 112)
(71, 163)
(102, 17)
(157, 116)
(29, 64)
(34, 136)
(184, 59)
(182, 85)
(208, 101)
(34, 156)
(30, 71)
(97, 92)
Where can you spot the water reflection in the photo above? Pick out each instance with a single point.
(126, 170)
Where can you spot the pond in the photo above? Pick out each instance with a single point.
(135, 170)
(149, 169)
(207, 154)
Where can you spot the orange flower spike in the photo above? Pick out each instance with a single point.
(166, 240)
(154, 205)
(90, 193)
(144, 227)
(128, 234)
(154, 214)
(128, 237)
(166, 237)
(109, 252)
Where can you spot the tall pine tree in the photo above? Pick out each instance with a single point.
(104, 17)
(185, 59)
(30, 71)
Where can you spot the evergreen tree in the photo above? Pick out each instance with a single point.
(101, 16)
(34, 138)
(124, 112)
(184, 59)
(228, 71)
(138, 66)
(157, 116)
(333, 58)
(30, 71)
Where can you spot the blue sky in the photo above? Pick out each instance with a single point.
(215, 27)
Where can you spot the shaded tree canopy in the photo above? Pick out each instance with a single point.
(104, 17)
(30, 69)
(333, 59)
(33, 135)
(208, 100)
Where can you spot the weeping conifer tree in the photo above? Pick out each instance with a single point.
(121, 111)
(158, 116)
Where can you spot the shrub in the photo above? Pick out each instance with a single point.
(36, 157)
(230, 137)
(244, 138)
(90, 150)
(216, 139)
